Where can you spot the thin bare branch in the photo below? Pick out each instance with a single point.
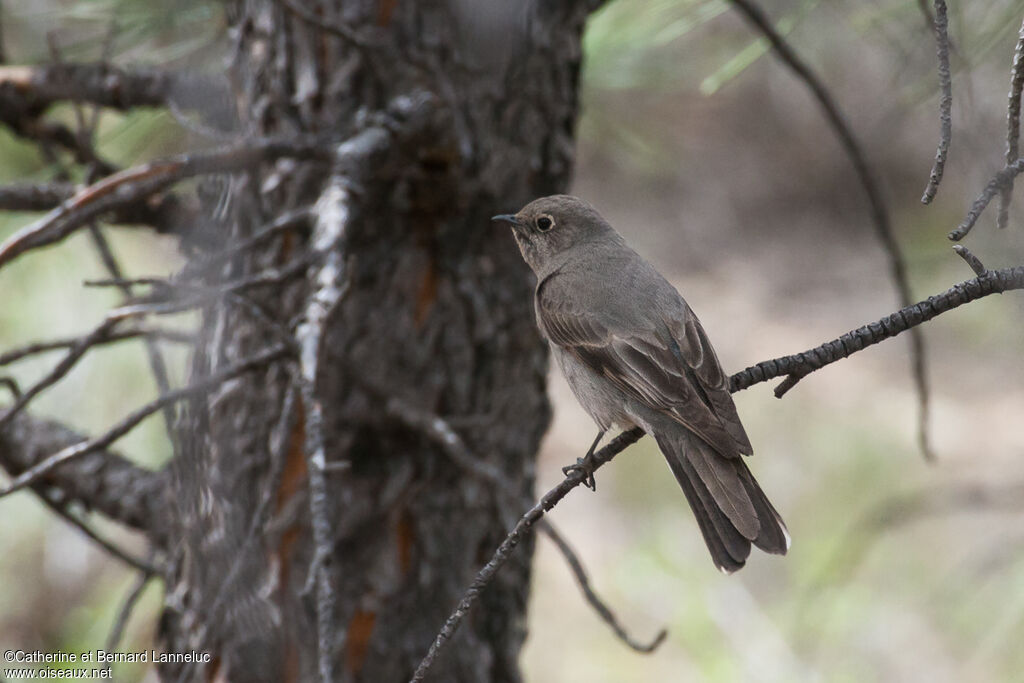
(36, 348)
(341, 30)
(328, 288)
(40, 470)
(328, 285)
(438, 430)
(880, 214)
(945, 101)
(12, 386)
(167, 213)
(973, 261)
(154, 355)
(134, 184)
(34, 196)
(522, 528)
(592, 598)
(999, 181)
(114, 639)
(74, 354)
(109, 546)
(797, 366)
(1012, 125)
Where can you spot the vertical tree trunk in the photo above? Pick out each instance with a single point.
(437, 313)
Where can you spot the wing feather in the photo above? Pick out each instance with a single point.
(669, 365)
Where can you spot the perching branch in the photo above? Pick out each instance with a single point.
(799, 365)
(793, 367)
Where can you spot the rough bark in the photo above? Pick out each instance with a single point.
(478, 103)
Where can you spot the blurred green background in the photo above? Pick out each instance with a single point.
(717, 165)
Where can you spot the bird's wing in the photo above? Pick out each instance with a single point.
(668, 364)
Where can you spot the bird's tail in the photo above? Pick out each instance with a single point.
(731, 509)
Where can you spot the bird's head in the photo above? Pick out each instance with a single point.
(549, 227)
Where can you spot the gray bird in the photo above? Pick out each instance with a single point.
(636, 355)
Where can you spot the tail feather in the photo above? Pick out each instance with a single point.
(729, 549)
(731, 509)
(774, 537)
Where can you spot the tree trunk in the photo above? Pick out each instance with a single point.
(477, 104)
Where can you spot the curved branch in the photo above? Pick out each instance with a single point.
(595, 601)
(880, 214)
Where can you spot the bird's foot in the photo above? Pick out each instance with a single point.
(584, 466)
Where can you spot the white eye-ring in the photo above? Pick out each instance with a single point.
(545, 223)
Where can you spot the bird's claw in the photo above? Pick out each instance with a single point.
(588, 472)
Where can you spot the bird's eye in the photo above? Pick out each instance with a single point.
(544, 223)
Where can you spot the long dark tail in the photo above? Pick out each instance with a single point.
(731, 509)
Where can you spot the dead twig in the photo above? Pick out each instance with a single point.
(996, 184)
(602, 609)
(1012, 125)
(36, 348)
(945, 102)
(341, 30)
(61, 508)
(134, 184)
(40, 470)
(522, 528)
(74, 354)
(880, 214)
(114, 639)
(438, 430)
(973, 261)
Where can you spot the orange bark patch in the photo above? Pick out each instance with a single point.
(292, 478)
(385, 10)
(404, 537)
(427, 294)
(360, 627)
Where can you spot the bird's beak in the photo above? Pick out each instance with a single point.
(508, 218)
